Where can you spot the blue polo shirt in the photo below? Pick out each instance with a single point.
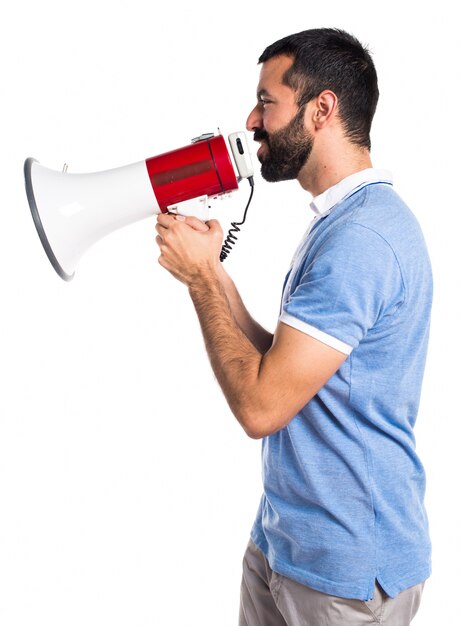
(343, 485)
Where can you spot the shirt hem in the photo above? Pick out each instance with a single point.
(334, 588)
(393, 589)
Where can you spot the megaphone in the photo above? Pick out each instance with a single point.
(73, 211)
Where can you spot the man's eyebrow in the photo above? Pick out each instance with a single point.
(262, 92)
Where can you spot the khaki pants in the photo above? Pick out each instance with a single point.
(269, 599)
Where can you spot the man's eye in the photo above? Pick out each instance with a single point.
(265, 102)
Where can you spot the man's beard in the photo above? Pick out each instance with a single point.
(288, 150)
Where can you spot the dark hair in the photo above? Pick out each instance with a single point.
(329, 58)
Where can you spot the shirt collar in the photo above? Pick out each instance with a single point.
(326, 201)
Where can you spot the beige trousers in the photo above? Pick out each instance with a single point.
(269, 599)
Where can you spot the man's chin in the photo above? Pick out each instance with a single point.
(269, 174)
(273, 174)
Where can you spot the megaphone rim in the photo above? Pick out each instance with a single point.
(37, 221)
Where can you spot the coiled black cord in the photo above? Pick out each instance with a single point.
(231, 238)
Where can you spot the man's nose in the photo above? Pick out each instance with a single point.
(254, 120)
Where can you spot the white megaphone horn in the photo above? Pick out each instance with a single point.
(73, 211)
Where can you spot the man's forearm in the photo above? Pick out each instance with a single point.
(236, 344)
(234, 358)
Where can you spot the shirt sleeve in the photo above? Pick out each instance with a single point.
(352, 281)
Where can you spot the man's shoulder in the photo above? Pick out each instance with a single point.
(381, 210)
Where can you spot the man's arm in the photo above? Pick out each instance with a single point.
(264, 390)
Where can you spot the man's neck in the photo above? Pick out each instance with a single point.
(324, 171)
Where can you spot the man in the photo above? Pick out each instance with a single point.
(341, 534)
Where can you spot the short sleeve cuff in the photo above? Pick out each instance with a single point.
(333, 342)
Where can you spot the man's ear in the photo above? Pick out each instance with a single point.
(324, 108)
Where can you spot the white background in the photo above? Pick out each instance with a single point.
(127, 489)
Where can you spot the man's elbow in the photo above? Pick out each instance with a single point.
(259, 423)
(253, 432)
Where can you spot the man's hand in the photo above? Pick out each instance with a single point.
(188, 246)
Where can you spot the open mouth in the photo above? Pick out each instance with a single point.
(263, 148)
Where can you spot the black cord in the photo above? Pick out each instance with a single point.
(231, 238)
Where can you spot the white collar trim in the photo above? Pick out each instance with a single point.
(326, 201)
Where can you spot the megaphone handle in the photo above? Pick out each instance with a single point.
(196, 207)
